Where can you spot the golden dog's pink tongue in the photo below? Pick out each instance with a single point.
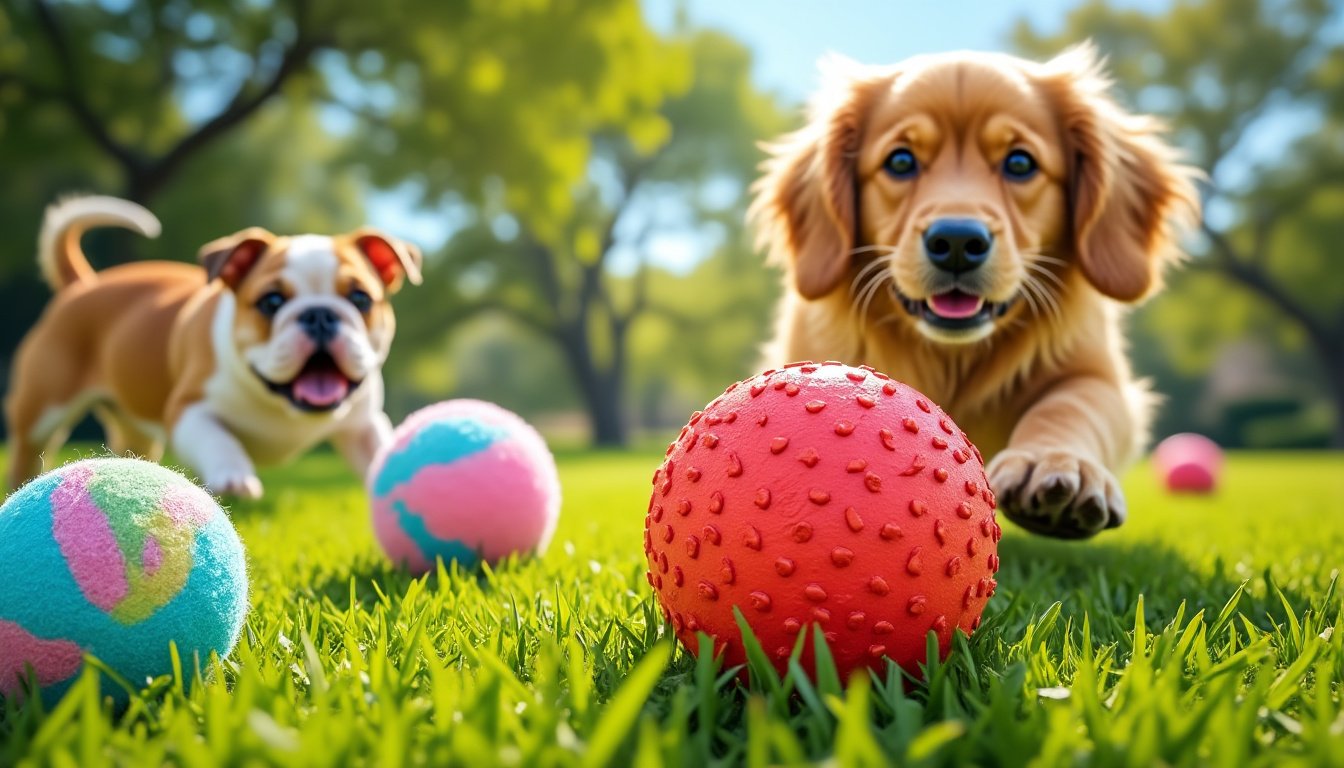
(321, 388)
(955, 305)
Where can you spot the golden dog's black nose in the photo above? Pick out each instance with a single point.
(320, 323)
(957, 245)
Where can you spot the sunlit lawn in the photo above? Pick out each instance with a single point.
(1205, 632)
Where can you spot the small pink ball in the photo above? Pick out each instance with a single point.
(1188, 463)
(463, 480)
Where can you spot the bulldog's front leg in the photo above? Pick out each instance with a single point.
(203, 443)
(361, 442)
(1056, 477)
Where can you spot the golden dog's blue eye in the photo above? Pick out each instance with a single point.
(1019, 165)
(361, 299)
(902, 164)
(270, 303)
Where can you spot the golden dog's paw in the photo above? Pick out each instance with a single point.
(1056, 493)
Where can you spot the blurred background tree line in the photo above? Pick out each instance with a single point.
(586, 177)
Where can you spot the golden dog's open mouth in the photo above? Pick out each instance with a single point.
(320, 385)
(955, 310)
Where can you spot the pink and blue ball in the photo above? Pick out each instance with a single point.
(115, 558)
(463, 480)
(1188, 463)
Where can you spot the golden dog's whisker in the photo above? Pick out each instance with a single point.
(856, 291)
(1028, 295)
(1032, 290)
(1041, 258)
(871, 276)
(863, 273)
(1048, 258)
(868, 295)
(1042, 272)
(1039, 271)
(1052, 310)
(885, 250)
(1052, 295)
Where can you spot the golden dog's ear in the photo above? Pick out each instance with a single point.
(231, 258)
(392, 257)
(1130, 197)
(804, 209)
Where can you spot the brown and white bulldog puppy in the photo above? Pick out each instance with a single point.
(275, 345)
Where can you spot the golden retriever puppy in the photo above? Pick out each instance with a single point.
(974, 225)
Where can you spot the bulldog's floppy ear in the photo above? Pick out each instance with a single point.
(1130, 197)
(805, 202)
(231, 258)
(391, 257)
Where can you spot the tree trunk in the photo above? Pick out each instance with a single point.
(607, 413)
(142, 185)
(1333, 366)
(603, 391)
(1337, 393)
(1327, 342)
(1329, 348)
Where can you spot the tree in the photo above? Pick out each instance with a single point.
(171, 103)
(95, 66)
(150, 85)
(1227, 73)
(583, 278)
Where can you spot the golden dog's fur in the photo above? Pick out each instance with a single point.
(1045, 388)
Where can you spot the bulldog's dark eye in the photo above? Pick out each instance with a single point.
(361, 299)
(902, 164)
(1019, 165)
(270, 303)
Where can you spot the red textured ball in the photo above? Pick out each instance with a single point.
(822, 494)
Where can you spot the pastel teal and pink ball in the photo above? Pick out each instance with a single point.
(115, 558)
(463, 480)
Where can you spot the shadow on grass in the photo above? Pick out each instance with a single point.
(1105, 579)
(374, 574)
(369, 576)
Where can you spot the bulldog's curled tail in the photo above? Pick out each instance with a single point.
(59, 255)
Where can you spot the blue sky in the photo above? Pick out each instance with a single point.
(787, 37)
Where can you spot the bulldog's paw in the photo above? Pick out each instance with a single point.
(1056, 493)
(239, 482)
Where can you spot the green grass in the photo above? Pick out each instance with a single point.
(1205, 632)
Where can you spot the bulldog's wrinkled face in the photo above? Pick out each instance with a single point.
(312, 318)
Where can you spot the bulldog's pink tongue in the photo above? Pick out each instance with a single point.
(321, 388)
(955, 305)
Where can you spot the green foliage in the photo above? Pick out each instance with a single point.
(499, 101)
(1208, 631)
(585, 280)
(450, 94)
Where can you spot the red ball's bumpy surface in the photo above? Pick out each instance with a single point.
(829, 495)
